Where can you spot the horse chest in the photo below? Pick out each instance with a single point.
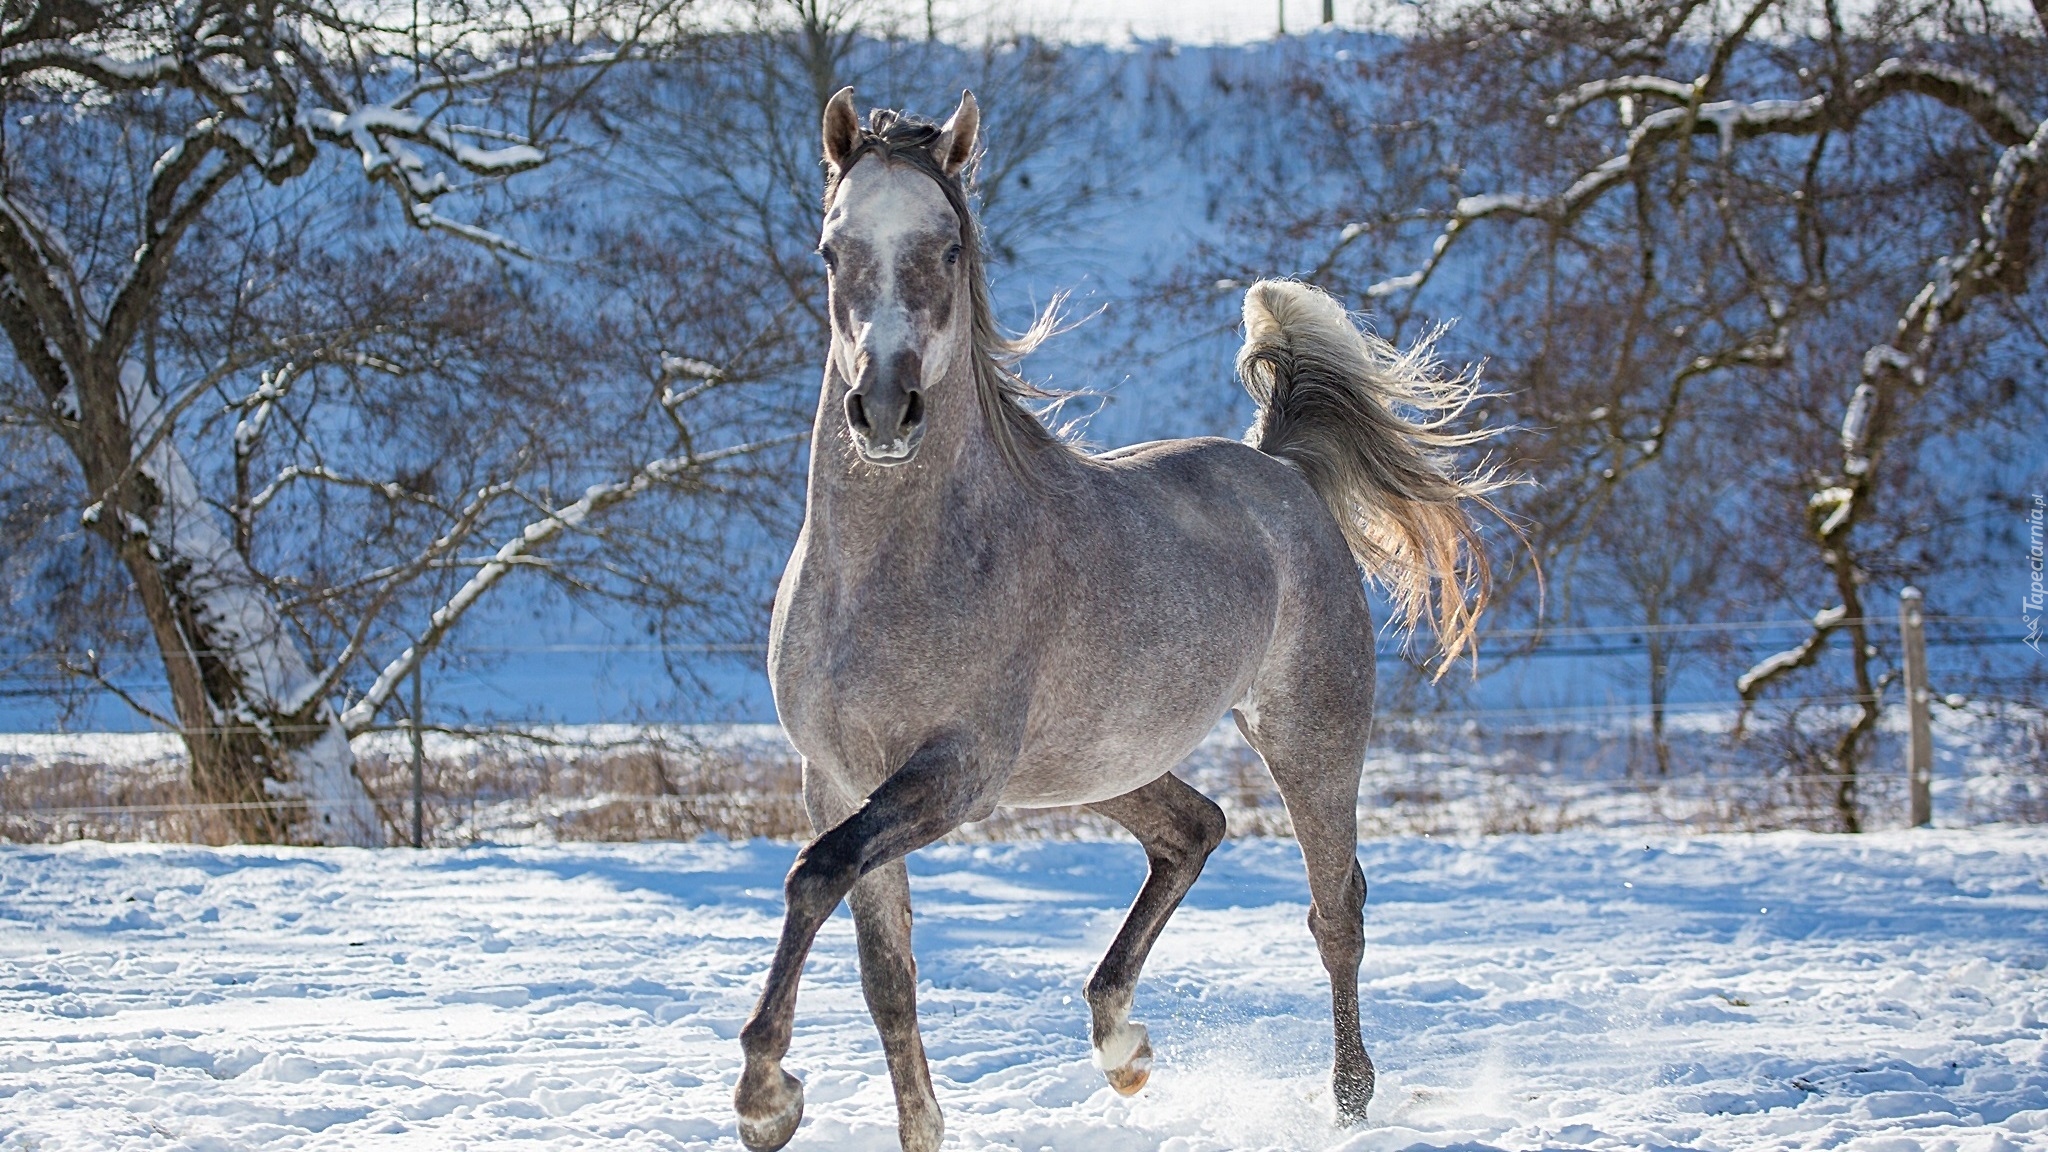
(867, 669)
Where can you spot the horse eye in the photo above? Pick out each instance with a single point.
(953, 254)
(831, 260)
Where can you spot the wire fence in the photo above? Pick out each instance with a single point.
(1536, 638)
(1492, 766)
(1424, 775)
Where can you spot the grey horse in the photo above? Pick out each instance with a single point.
(979, 614)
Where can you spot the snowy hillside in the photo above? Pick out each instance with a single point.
(1579, 991)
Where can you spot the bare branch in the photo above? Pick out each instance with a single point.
(483, 76)
(1732, 120)
(91, 672)
(1899, 366)
(1773, 668)
(389, 489)
(165, 225)
(1676, 91)
(39, 266)
(100, 68)
(595, 500)
(328, 681)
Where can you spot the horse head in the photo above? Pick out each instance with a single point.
(900, 256)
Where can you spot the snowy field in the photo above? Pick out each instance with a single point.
(1573, 991)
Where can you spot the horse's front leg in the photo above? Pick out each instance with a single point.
(888, 975)
(936, 791)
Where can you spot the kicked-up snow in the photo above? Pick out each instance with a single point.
(1588, 991)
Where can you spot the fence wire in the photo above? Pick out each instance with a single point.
(1493, 766)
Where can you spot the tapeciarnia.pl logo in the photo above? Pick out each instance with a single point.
(2035, 602)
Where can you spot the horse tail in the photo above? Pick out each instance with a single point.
(1336, 401)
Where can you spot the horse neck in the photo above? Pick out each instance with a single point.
(865, 515)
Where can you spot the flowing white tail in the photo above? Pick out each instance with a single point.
(1331, 399)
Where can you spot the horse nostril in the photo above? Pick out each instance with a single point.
(856, 413)
(913, 411)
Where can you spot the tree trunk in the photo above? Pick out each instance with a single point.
(1660, 690)
(1849, 749)
(264, 744)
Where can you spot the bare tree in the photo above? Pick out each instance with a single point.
(147, 278)
(1784, 235)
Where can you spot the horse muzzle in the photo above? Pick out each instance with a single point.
(885, 412)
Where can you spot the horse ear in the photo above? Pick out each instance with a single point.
(842, 128)
(955, 145)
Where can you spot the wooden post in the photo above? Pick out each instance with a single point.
(419, 762)
(1329, 11)
(1920, 742)
(1283, 17)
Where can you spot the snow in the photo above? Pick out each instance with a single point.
(368, 125)
(1575, 991)
(24, 59)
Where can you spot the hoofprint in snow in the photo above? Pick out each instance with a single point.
(1575, 991)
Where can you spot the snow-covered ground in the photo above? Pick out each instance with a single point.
(1572, 991)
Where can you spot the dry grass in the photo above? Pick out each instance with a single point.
(153, 802)
(1425, 777)
(667, 790)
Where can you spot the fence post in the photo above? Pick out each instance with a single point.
(1920, 742)
(419, 758)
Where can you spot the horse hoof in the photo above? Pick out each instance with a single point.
(768, 1112)
(1130, 1076)
(1353, 1093)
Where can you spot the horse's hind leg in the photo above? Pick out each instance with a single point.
(888, 974)
(1179, 827)
(1315, 749)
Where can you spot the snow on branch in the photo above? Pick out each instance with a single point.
(2003, 243)
(1897, 368)
(290, 473)
(276, 84)
(99, 67)
(1676, 91)
(465, 525)
(373, 128)
(1975, 96)
(1771, 668)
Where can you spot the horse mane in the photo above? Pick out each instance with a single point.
(1021, 438)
